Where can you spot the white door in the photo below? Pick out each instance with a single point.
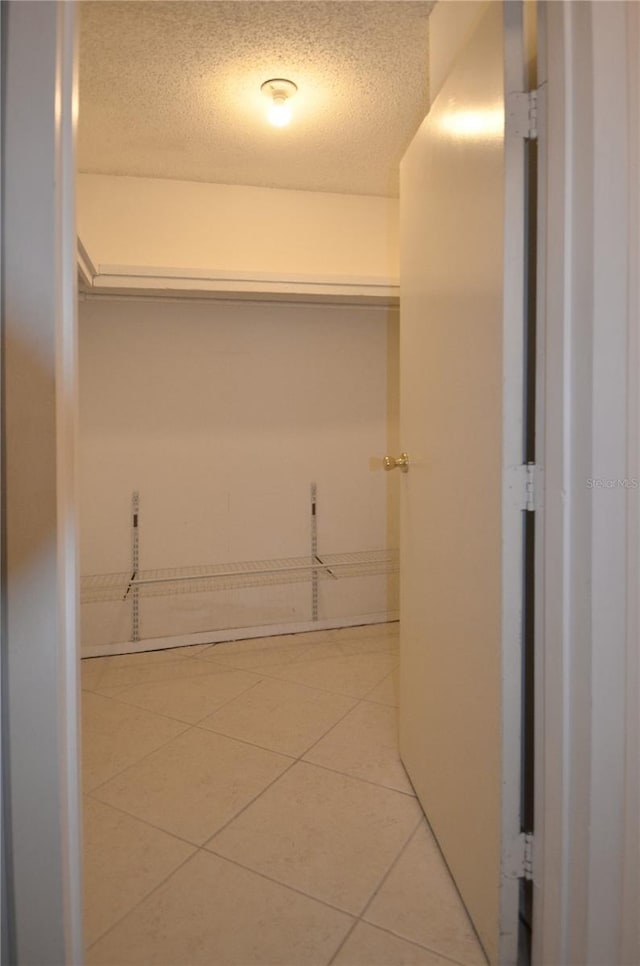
(461, 425)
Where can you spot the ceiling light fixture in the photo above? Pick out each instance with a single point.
(279, 91)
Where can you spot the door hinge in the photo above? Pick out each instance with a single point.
(519, 863)
(524, 487)
(522, 114)
(532, 487)
(527, 856)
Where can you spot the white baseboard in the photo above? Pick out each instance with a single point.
(235, 634)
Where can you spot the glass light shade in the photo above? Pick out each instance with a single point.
(279, 112)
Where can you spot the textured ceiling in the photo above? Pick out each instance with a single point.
(172, 90)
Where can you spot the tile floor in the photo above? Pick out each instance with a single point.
(245, 804)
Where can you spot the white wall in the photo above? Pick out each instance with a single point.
(149, 222)
(221, 414)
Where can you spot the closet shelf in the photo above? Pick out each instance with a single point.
(97, 588)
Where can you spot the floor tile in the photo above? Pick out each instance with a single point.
(194, 784)
(148, 658)
(280, 715)
(364, 744)
(247, 655)
(116, 735)
(328, 649)
(189, 698)
(354, 675)
(330, 826)
(419, 901)
(369, 946)
(387, 691)
(368, 645)
(127, 676)
(265, 652)
(368, 631)
(212, 913)
(331, 836)
(313, 637)
(124, 860)
(91, 672)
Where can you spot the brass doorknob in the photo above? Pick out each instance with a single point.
(402, 462)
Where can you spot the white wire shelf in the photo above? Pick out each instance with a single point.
(97, 588)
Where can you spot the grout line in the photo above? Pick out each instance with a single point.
(302, 687)
(150, 650)
(130, 704)
(389, 675)
(139, 664)
(188, 727)
(358, 778)
(412, 942)
(438, 952)
(344, 694)
(392, 866)
(286, 754)
(245, 807)
(313, 744)
(138, 760)
(119, 698)
(137, 904)
(290, 646)
(359, 701)
(302, 756)
(85, 690)
(245, 741)
(284, 885)
(455, 885)
(128, 685)
(343, 943)
(304, 761)
(428, 949)
(228, 701)
(380, 704)
(84, 687)
(143, 821)
(354, 649)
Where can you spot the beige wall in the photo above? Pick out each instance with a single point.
(450, 26)
(227, 228)
(221, 414)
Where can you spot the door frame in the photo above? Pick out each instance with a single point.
(588, 383)
(587, 537)
(42, 896)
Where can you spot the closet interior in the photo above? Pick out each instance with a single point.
(233, 423)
